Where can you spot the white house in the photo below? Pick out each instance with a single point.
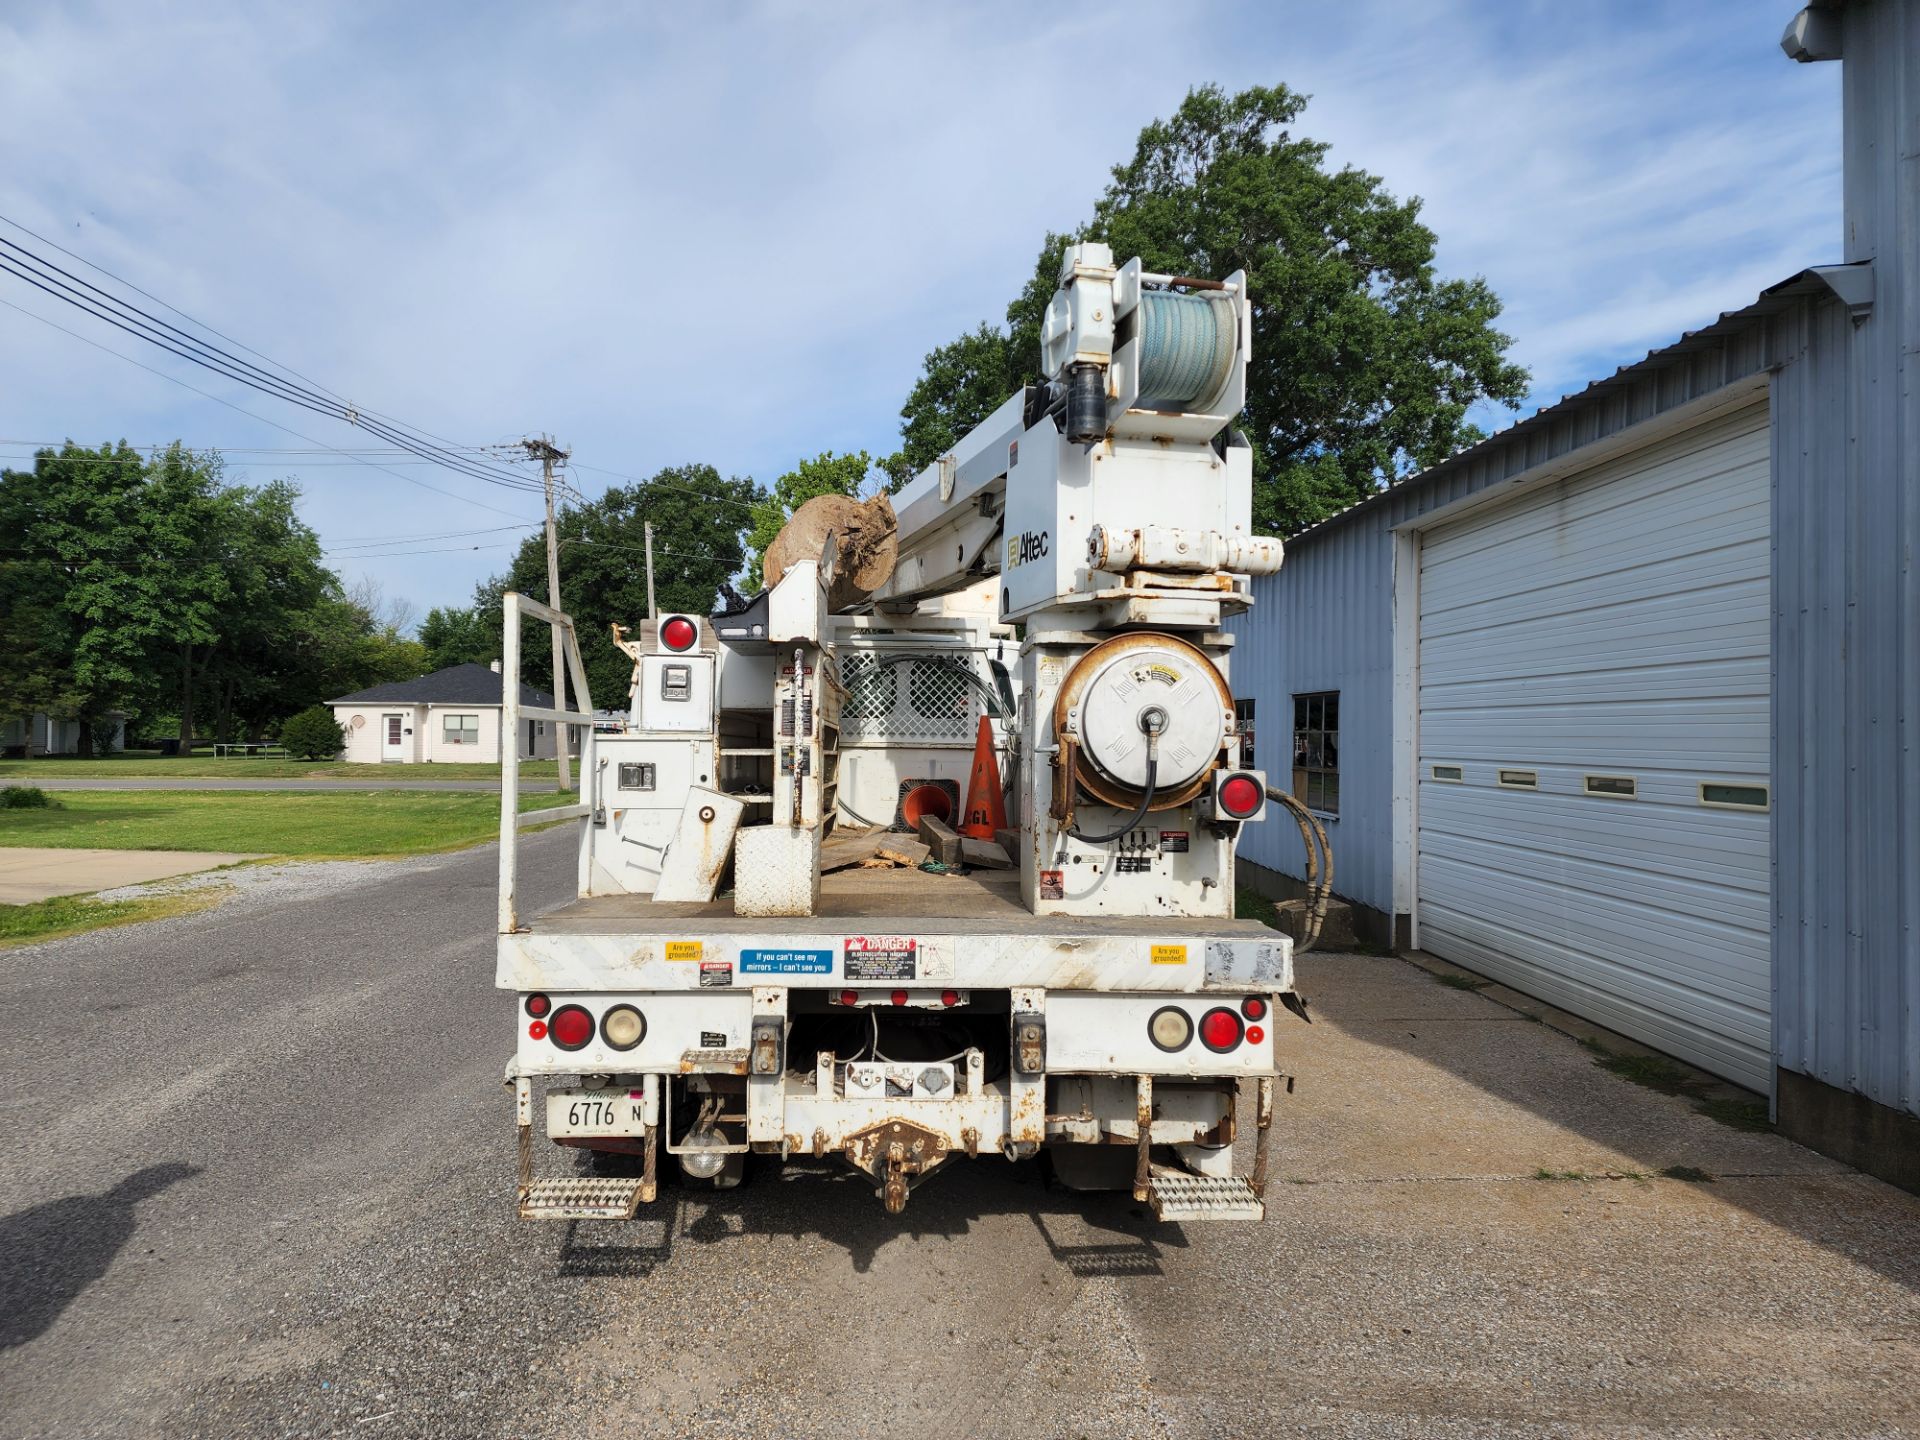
(37, 735)
(450, 715)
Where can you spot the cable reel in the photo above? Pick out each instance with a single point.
(1141, 720)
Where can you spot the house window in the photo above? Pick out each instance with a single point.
(1316, 751)
(460, 729)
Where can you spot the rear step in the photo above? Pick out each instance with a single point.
(581, 1199)
(1203, 1197)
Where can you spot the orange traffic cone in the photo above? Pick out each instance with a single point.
(986, 810)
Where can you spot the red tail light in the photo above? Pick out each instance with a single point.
(571, 1027)
(1254, 1008)
(538, 1006)
(1240, 796)
(899, 997)
(949, 997)
(679, 633)
(1220, 1030)
(848, 997)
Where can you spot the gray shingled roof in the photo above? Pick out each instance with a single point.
(456, 685)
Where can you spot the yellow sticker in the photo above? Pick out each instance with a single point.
(1169, 954)
(683, 949)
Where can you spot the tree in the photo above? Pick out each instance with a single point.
(825, 474)
(313, 734)
(1365, 362)
(460, 636)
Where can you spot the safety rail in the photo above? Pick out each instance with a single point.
(512, 712)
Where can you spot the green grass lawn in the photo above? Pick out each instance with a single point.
(142, 766)
(70, 914)
(291, 822)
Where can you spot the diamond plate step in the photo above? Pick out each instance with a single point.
(1204, 1197)
(581, 1200)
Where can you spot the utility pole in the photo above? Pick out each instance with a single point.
(549, 454)
(652, 614)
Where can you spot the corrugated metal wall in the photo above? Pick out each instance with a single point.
(1847, 618)
(1846, 637)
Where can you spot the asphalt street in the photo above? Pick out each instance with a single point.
(258, 1183)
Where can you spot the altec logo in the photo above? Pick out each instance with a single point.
(1028, 545)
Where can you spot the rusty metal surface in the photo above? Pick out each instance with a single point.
(1108, 792)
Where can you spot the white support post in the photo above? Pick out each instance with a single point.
(509, 760)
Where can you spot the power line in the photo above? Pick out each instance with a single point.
(754, 507)
(44, 275)
(278, 390)
(250, 414)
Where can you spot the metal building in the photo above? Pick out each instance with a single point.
(1622, 706)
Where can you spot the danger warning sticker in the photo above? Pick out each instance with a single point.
(881, 957)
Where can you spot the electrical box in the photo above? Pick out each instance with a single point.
(675, 693)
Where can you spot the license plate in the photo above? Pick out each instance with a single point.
(596, 1112)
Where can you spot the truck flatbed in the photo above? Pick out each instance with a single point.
(910, 901)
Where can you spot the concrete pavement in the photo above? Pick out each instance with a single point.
(220, 783)
(28, 873)
(273, 1198)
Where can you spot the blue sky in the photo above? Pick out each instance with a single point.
(729, 232)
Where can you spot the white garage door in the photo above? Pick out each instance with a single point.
(1594, 746)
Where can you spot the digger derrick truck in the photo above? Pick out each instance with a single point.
(1043, 607)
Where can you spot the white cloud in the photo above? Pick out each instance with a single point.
(730, 233)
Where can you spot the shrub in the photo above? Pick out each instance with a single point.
(313, 734)
(27, 797)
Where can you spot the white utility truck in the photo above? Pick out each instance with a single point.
(1063, 573)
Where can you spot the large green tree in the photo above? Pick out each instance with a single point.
(825, 474)
(1366, 362)
(148, 584)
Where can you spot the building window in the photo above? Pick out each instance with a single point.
(460, 729)
(1243, 722)
(1316, 751)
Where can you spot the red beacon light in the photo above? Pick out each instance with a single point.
(679, 633)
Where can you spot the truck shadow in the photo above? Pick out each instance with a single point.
(50, 1253)
(807, 1199)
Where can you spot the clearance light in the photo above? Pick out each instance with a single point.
(846, 997)
(899, 997)
(678, 633)
(571, 1028)
(949, 998)
(1254, 1008)
(538, 1006)
(1240, 797)
(623, 1027)
(1220, 1030)
(1170, 1028)
(537, 1030)
(1255, 1034)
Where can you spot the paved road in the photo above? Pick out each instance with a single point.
(221, 783)
(256, 1184)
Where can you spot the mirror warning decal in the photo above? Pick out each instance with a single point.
(880, 957)
(683, 949)
(1169, 954)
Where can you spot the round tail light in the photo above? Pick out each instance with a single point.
(949, 997)
(1170, 1028)
(570, 1028)
(1240, 796)
(899, 997)
(1254, 1008)
(847, 997)
(1220, 1030)
(538, 1006)
(623, 1027)
(679, 633)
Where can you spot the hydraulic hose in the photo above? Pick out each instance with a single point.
(1319, 852)
(1146, 804)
